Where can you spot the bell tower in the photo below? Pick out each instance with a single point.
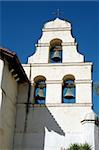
(60, 92)
(57, 59)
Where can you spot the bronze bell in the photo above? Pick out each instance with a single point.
(56, 56)
(69, 94)
(40, 94)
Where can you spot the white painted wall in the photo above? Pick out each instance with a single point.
(56, 29)
(89, 133)
(51, 126)
(90, 125)
(54, 78)
(1, 76)
(8, 108)
(96, 137)
(55, 126)
(23, 100)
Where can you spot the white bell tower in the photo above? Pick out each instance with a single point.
(72, 66)
(61, 92)
(57, 29)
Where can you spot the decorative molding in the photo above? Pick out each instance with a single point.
(82, 81)
(58, 64)
(26, 65)
(62, 105)
(56, 105)
(61, 81)
(54, 81)
(69, 44)
(48, 44)
(89, 121)
(42, 45)
(56, 29)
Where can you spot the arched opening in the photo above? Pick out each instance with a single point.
(39, 89)
(55, 52)
(68, 89)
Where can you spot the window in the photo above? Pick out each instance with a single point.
(40, 90)
(68, 89)
(55, 53)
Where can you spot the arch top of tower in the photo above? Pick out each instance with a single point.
(57, 28)
(57, 24)
(56, 33)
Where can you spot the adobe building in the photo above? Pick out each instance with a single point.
(12, 76)
(46, 104)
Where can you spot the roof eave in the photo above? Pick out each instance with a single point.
(15, 64)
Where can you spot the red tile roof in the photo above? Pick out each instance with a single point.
(14, 63)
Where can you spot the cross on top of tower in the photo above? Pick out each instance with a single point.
(57, 13)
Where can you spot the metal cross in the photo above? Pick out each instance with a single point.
(57, 13)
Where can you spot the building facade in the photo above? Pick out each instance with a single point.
(54, 109)
(12, 76)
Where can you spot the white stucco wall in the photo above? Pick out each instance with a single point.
(51, 126)
(54, 78)
(89, 133)
(57, 29)
(1, 76)
(55, 125)
(96, 137)
(8, 109)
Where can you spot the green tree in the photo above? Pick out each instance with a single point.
(85, 147)
(74, 147)
(80, 147)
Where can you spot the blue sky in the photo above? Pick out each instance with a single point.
(21, 24)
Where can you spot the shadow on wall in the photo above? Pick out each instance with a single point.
(97, 137)
(39, 117)
(7, 108)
